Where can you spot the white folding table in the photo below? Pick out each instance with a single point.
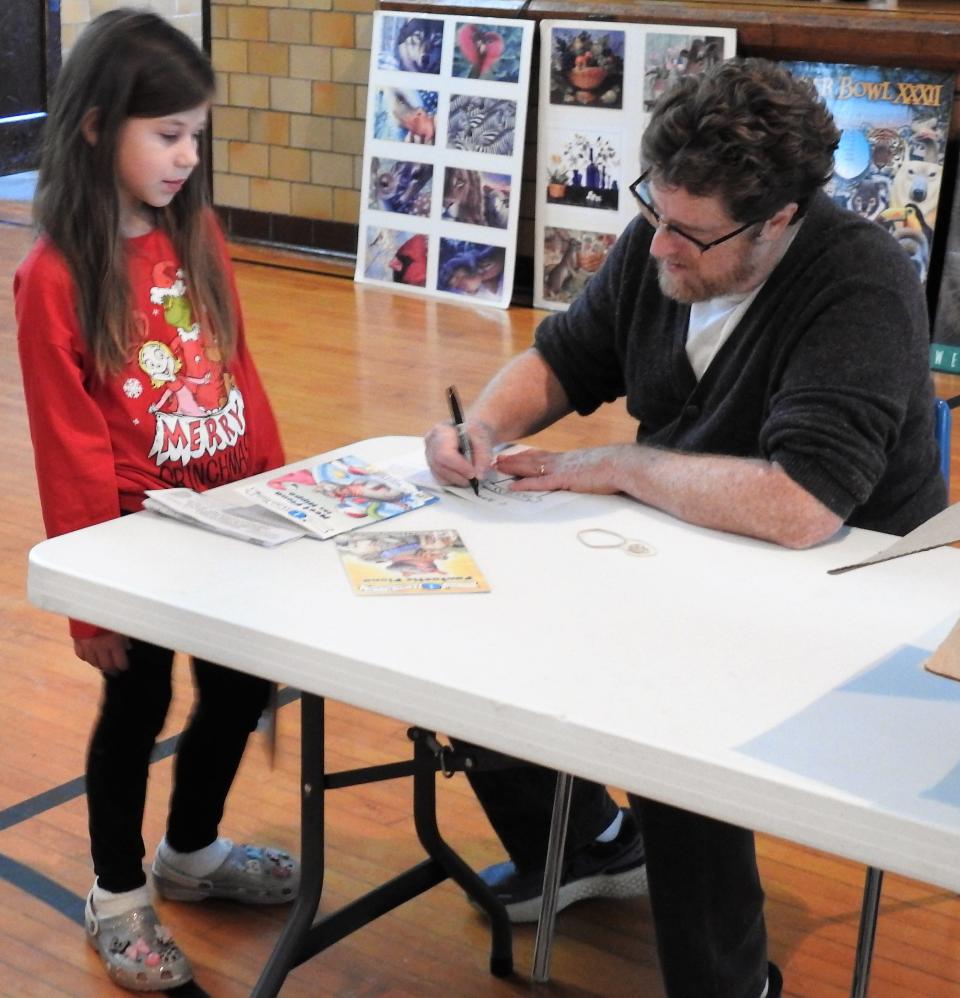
(724, 675)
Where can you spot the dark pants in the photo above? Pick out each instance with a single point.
(705, 890)
(132, 712)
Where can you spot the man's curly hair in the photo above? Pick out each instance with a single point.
(747, 132)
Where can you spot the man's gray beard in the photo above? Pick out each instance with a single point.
(704, 290)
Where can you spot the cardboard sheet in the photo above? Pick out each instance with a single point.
(938, 531)
(945, 661)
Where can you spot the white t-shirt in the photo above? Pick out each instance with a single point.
(711, 323)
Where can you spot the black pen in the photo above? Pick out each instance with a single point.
(463, 440)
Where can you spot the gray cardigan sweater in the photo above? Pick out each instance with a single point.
(826, 373)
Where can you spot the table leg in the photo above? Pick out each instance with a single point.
(286, 952)
(425, 821)
(869, 910)
(552, 870)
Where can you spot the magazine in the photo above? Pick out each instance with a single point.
(409, 563)
(337, 496)
(246, 523)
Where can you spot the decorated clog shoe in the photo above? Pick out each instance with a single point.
(138, 952)
(251, 874)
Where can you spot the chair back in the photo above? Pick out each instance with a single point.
(943, 419)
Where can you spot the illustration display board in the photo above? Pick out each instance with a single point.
(598, 84)
(443, 151)
(889, 164)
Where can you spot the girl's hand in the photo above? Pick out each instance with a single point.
(106, 652)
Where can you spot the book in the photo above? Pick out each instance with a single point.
(336, 496)
(894, 125)
(945, 349)
(409, 563)
(221, 515)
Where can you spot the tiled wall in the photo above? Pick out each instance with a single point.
(288, 125)
(74, 14)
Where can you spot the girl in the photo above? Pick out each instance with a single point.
(131, 266)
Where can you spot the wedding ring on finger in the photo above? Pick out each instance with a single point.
(543, 470)
(601, 537)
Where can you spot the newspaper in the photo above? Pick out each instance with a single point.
(246, 523)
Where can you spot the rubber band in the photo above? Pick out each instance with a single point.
(602, 538)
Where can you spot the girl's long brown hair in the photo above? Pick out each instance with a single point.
(126, 64)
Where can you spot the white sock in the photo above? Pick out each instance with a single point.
(613, 829)
(198, 863)
(107, 904)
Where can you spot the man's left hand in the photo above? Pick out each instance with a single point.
(592, 470)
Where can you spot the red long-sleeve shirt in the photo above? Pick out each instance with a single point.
(175, 415)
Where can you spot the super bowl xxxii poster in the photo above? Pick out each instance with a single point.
(889, 165)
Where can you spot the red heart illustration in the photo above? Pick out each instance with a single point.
(480, 48)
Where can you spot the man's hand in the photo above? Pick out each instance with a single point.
(445, 460)
(741, 495)
(594, 470)
(106, 652)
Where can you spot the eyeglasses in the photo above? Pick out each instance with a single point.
(652, 217)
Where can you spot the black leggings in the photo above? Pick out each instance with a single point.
(132, 712)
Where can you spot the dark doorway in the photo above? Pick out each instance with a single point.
(29, 62)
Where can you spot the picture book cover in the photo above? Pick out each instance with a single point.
(409, 563)
(443, 155)
(337, 496)
(599, 82)
(945, 349)
(889, 164)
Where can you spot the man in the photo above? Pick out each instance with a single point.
(773, 348)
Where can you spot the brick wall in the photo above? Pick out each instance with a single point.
(289, 120)
(74, 14)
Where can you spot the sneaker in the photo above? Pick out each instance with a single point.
(612, 869)
(138, 952)
(774, 981)
(252, 874)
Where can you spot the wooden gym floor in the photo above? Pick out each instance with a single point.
(343, 362)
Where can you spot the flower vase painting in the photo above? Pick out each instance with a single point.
(589, 165)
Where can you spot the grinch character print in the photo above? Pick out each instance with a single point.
(199, 359)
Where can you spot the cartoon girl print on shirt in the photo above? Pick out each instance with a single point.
(156, 360)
